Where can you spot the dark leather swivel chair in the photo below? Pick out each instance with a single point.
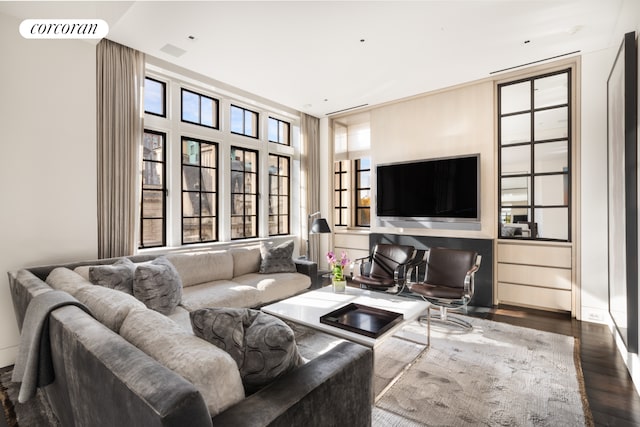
(448, 281)
(385, 268)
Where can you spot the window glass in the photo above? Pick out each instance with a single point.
(551, 124)
(152, 206)
(199, 191)
(515, 97)
(550, 190)
(516, 159)
(278, 195)
(154, 97)
(535, 179)
(244, 193)
(278, 131)
(515, 129)
(552, 90)
(340, 193)
(551, 157)
(244, 122)
(516, 191)
(552, 223)
(199, 109)
(363, 192)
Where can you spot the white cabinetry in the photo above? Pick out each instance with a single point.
(536, 275)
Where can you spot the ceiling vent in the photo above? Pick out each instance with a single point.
(534, 62)
(173, 50)
(347, 109)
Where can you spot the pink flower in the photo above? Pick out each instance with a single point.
(337, 266)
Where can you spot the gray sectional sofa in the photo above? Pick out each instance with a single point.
(126, 364)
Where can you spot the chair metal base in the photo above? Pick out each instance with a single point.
(443, 316)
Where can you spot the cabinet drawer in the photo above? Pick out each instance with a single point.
(549, 256)
(554, 299)
(548, 277)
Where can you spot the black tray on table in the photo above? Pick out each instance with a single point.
(361, 319)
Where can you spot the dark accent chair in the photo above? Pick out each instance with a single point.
(385, 268)
(447, 281)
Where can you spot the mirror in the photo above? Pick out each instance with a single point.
(535, 178)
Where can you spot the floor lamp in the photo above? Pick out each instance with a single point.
(318, 226)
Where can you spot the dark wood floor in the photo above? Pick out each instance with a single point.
(612, 396)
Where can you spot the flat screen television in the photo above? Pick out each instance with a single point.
(443, 189)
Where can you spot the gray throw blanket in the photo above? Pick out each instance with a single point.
(34, 367)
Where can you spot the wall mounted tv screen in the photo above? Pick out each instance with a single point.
(445, 189)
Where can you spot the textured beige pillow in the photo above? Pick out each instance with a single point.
(63, 279)
(197, 268)
(246, 260)
(210, 369)
(108, 306)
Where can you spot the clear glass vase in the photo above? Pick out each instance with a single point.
(339, 286)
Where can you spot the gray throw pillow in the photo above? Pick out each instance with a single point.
(262, 345)
(118, 276)
(158, 285)
(277, 259)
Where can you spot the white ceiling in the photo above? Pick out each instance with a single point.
(321, 57)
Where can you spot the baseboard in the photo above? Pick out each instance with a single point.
(595, 315)
(8, 356)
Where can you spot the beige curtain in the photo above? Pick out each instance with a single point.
(119, 80)
(310, 150)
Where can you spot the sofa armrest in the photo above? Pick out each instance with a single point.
(335, 387)
(308, 268)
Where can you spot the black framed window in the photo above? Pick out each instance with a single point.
(155, 95)
(244, 122)
(244, 193)
(154, 190)
(279, 194)
(199, 109)
(341, 192)
(199, 191)
(363, 192)
(534, 130)
(279, 131)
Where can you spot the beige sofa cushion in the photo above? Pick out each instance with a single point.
(246, 260)
(207, 367)
(180, 315)
(108, 306)
(220, 293)
(63, 279)
(276, 286)
(201, 267)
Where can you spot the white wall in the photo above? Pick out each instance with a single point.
(47, 159)
(593, 196)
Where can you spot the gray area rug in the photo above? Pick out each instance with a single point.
(35, 412)
(493, 375)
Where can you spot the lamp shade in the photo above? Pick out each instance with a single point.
(320, 226)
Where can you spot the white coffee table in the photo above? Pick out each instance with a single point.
(307, 308)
